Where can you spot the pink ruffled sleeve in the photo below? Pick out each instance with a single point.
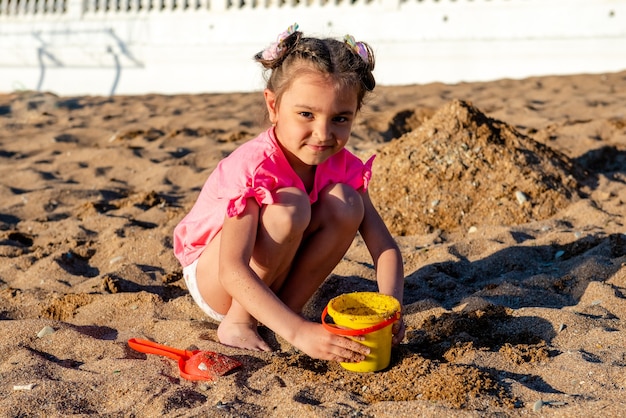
(367, 173)
(258, 184)
(251, 171)
(357, 174)
(237, 204)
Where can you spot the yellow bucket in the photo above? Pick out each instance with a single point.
(365, 313)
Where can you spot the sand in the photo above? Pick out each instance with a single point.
(507, 199)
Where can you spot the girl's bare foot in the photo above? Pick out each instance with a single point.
(241, 335)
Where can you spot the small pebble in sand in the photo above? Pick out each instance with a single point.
(538, 405)
(521, 197)
(222, 405)
(28, 386)
(47, 330)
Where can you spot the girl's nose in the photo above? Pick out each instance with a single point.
(323, 131)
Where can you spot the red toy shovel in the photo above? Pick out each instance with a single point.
(193, 365)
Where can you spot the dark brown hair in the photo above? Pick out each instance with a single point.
(297, 53)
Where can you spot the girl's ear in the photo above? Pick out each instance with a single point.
(270, 102)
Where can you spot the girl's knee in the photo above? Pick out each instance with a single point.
(342, 204)
(289, 214)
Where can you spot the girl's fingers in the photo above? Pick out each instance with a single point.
(355, 346)
(349, 356)
(398, 331)
(350, 351)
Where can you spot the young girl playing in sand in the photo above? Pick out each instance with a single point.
(277, 215)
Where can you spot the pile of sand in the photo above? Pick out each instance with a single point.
(462, 168)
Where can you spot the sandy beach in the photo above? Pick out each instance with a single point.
(507, 198)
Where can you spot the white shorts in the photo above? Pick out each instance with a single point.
(189, 274)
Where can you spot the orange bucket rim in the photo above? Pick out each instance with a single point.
(359, 331)
(386, 318)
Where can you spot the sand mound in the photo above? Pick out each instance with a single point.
(461, 168)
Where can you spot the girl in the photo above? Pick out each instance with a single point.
(277, 215)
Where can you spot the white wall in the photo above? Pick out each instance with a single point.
(193, 46)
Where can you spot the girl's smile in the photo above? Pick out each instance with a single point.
(319, 148)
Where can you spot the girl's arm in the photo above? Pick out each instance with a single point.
(386, 256)
(244, 285)
(241, 282)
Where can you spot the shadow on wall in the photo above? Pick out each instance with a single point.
(116, 48)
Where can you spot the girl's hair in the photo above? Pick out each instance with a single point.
(294, 54)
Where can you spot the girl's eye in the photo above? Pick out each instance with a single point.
(307, 115)
(340, 119)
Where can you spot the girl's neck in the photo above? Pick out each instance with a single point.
(308, 177)
(304, 171)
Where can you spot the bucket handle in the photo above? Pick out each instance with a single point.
(354, 332)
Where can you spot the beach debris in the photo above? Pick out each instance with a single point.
(47, 330)
(541, 403)
(28, 386)
(559, 254)
(223, 405)
(113, 137)
(562, 327)
(521, 197)
(116, 259)
(204, 387)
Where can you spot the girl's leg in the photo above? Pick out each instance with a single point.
(280, 231)
(335, 220)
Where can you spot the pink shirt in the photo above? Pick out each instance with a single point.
(256, 170)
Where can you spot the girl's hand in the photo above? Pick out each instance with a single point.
(398, 329)
(318, 343)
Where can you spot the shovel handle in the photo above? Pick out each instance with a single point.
(150, 347)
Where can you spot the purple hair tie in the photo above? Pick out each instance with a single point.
(358, 47)
(273, 50)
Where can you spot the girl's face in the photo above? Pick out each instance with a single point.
(313, 119)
